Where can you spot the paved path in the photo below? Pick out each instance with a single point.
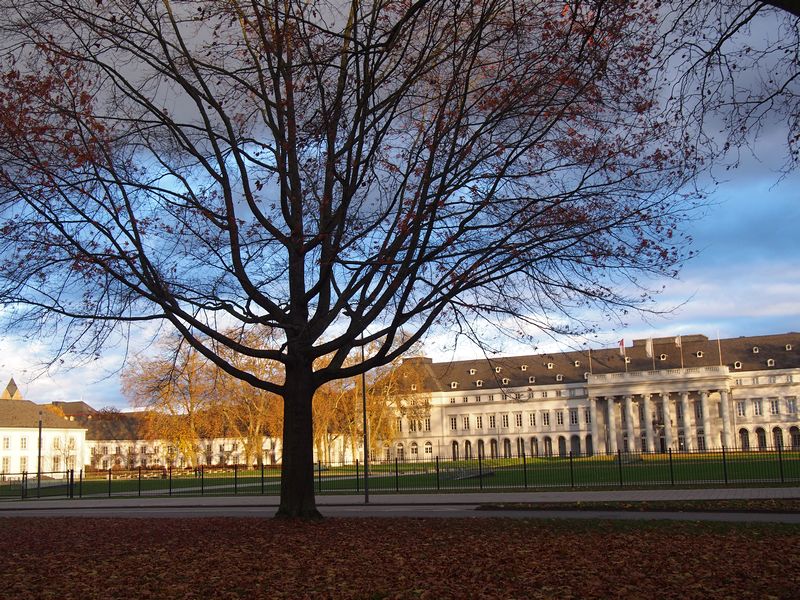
(405, 505)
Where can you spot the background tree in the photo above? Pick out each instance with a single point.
(331, 169)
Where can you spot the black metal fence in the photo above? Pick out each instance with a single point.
(623, 469)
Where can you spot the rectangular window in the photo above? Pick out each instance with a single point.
(573, 416)
(479, 422)
(453, 423)
(57, 443)
(789, 379)
(491, 397)
(466, 399)
(572, 392)
(118, 450)
(679, 411)
(774, 407)
(105, 463)
(478, 398)
(546, 419)
(6, 443)
(71, 443)
(544, 394)
(772, 379)
(518, 419)
(741, 410)
(428, 449)
(698, 410)
(755, 380)
(791, 406)
(558, 393)
(23, 443)
(412, 425)
(452, 400)
(56, 463)
(5, 464)
(103, 449)
(757, 407)
(23, 463)
(505, 420)
(466, 422)
(587, 416)
(560, 417)
(737, 382)
(492, 422)
(427, 424)
(533, 419)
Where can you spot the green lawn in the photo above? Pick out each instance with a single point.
(635, 470)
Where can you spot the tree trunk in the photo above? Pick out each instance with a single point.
(297, 472)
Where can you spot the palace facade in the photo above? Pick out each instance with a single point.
(680, 393)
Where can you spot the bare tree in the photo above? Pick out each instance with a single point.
(342, 173)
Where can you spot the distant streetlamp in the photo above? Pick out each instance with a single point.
(39, 460)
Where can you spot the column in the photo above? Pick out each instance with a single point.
(727, 439)
(706, 420)
(594, 425)
(612, 426)
(629, 423)
(687, 428)
(648, 423)
(667, 420)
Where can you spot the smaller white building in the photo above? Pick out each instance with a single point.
(30, 433)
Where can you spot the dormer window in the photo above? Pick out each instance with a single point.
(755, 349)
(531, 379)
(737, 365)
(699, 354)
(523, 368)
(586, 375)
(453, 385)
(663, 357)
(505, 381)
(550, 365)
(788, 347)
(479, 383)
(577, 363)
(559, 377)
(770, 362)
(497, 369)
(473, 371)
(413, 387)
(627, 360)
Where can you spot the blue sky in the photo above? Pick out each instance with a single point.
(745, 281)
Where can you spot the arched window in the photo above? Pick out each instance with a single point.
(548, 446)
(520, 447)
(794, 436)
(493, 448)
(428, 449)
(401, 452)
(777, 437)
(589, 445)
(562, 445)
(761, 435)
(387, 452)
(701, 439)
(575, 445)
(481, 451)
(744, 439)
(506, 448)
(455, 450)
(414, 451)
(468, 449)
(534, 446)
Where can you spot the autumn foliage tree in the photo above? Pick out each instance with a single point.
(342, 173)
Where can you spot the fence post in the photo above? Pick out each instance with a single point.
(80, 484)
(396, 476)
(619, 463)
(480, 471)
(358, 483)
(571, 471)
(23, 485)
(319, 476)
(235, 479)
(109, 483)
(140, 480)
(437, 473)
(724, 465)
(202, 480)
(671, 471)
(71, 484)
(524, 470)
(262, 477)
(170, 480)
(780, 461)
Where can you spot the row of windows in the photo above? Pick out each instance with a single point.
(23, 443)
(774, 404)
(56, 464)
(529, 395)
(761, 380)
(518, 419)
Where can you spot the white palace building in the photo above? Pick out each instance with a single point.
(679, 393)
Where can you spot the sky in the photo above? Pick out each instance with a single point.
(744, 281)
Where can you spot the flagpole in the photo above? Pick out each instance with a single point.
(590, 360)
(719, 348)
(680, 345)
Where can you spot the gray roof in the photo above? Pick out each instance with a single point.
(779, 351)
(24, 413)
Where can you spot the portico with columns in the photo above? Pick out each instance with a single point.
(653, 411)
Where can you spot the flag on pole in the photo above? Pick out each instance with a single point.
(622, 347)
(678, 342)
(648, 347)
